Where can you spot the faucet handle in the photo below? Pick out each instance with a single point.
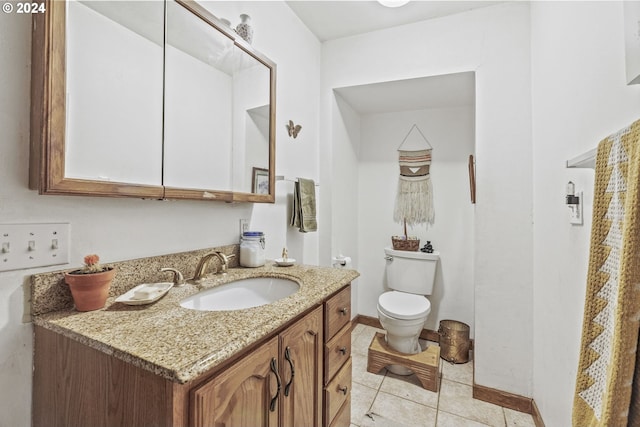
(178, 278)
(224, 262)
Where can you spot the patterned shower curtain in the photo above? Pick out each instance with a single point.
(607, 372)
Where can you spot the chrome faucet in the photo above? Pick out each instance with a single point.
(205, 260)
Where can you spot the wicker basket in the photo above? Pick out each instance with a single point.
(408, 244)
(454, 341)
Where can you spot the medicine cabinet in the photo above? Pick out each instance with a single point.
(149, 99)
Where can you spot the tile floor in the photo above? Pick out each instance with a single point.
(389, 400)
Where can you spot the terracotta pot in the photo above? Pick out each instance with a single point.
(90, 291)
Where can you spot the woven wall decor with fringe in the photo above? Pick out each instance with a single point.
(612, 306)
(414, 199)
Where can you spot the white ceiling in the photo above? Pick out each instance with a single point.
(335, 19)
(448, 90)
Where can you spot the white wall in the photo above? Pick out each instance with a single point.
(450, 131)
(494, 42)
(119, 229)
(296, 51)
(579, 98)
(344, 207)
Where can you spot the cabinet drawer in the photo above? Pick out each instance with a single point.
(337, 392)
(343, 418)
(337, 312)
(337, 352)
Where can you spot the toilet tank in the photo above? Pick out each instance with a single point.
(409, 271)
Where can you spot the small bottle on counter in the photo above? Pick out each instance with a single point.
(252, 249)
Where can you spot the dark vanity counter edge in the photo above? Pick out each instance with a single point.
(191, 343)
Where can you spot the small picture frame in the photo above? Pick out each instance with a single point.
(472, 178)
(260, 183)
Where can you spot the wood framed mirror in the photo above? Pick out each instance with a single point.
(148, 99)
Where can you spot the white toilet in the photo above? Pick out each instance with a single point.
(403, 311)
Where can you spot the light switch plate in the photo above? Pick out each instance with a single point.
(25, 246)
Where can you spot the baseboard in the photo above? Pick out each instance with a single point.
(535, 413)
(367, 320)
(503, 398)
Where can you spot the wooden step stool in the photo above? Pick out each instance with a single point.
(425, 364)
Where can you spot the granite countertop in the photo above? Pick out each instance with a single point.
(181, 344)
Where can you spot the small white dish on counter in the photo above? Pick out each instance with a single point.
(285, 262)
(145, 293)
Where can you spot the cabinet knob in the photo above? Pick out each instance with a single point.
(344, 390)
(344, 311)
(343, 350)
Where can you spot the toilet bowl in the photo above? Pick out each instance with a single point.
(403, 316)
(403, 310)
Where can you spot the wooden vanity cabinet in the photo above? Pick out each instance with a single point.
(279, 384)
(76, 385)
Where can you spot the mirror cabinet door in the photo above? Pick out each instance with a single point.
(149, 99)
(198, 103)
(114, 57)
(218, 122)
(96, 110)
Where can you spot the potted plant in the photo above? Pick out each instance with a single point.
(90, 284)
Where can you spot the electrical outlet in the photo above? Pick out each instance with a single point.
(244, 226)
(25, 246)
(575, 215)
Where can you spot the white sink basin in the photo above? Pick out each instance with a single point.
(245, 293)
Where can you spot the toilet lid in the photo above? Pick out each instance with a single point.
(402, 305)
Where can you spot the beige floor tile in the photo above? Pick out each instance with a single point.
(360, 344)
(462, 372)
(456, 398)
(392, 411)
(360, 375)
(409, 387)
(362, 398)
(519, 419)
(449, 420)
(357, 329)
(382, 421)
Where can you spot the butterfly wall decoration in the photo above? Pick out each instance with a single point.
(293, 129)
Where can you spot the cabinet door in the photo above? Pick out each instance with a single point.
(245, 395)
(301, 355)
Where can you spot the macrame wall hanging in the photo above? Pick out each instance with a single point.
(414, 200)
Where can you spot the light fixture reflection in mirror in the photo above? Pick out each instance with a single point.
(393, 3)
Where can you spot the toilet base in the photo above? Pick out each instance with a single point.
(399, 370)
(404, 346)
(424, 364)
